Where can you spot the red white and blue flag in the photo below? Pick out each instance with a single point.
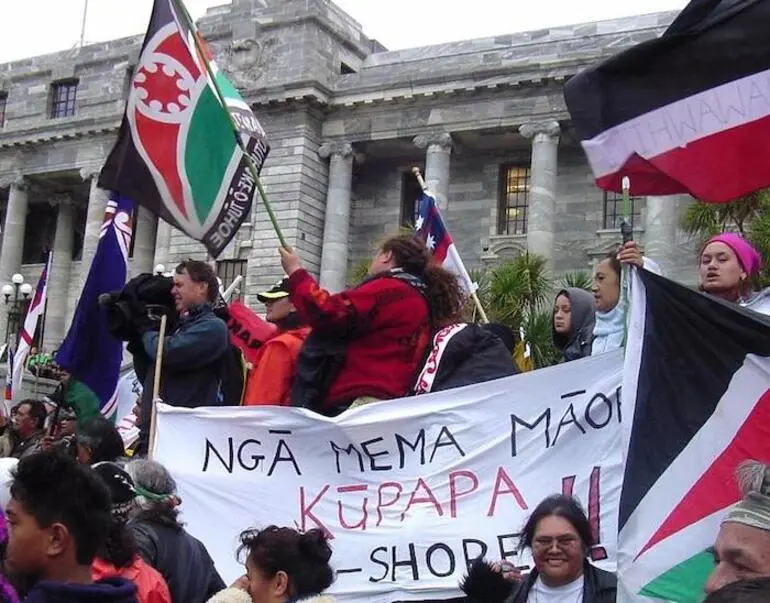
(34, 312)
(431, 228)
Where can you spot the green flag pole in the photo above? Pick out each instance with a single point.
(627, 232)
(182, 10)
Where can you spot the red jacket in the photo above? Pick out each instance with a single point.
(386, 324)
(269, 382)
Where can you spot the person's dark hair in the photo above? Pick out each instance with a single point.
(562, 506)
(445, 296)
(201, 272)
(615, 264)
(303, 556)
(54, 488)
(120, 546)
(505, 333)
(37, 411)
(756, 590)
(103, 439)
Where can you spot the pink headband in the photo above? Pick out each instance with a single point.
(749, 258)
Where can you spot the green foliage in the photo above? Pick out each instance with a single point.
(358, 271)
(518, 293)
(578, 279)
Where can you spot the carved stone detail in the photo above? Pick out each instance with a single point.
(326, 150)
(442, 139)
(550, 128)
(245, 61)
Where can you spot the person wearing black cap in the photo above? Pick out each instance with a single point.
(270, 380)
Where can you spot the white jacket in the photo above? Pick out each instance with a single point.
(236, 595)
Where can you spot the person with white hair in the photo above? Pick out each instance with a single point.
(742, 547)
(182, 560)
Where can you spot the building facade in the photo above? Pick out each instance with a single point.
(347, 121)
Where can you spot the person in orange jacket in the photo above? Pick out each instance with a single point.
(269, 382)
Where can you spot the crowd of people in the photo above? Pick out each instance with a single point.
(85, 522)
(586, 324)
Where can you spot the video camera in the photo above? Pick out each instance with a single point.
(145, 298)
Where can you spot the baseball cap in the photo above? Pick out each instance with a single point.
(277, 291)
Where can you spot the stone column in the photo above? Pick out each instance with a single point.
(334, 253)
(542, 189)
(438, 151)
(59, 279)
(13, 229)
(97, 203)
(146, 229)
(660, 226)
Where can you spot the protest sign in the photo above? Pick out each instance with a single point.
(409, 490)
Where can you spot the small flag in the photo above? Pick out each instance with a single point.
(430, 227)
(696, 403)
(34, 312)
(688, 112)
(90, 353)
(177, 152)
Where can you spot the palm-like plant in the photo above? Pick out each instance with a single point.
(578, 279)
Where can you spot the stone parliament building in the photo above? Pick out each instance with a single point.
(347, 120)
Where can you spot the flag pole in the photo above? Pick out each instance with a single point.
(627, 233)
(182, 10)
(474, 297)
(156, 383)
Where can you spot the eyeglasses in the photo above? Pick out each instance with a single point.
(544, 543)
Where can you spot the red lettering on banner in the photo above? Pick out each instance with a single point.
(418, 500)
(365, 514)
(455, 494)
(380, 504)
(510, 488)
(306, 512)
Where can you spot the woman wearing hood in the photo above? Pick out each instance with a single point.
(572, 327)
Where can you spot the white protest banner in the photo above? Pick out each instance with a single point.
(410, 490)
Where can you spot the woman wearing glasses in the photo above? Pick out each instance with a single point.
(559, 535)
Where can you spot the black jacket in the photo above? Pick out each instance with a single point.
(472, 355)
(182, 560)
(598, 586)
(109, 590)
(578, 344)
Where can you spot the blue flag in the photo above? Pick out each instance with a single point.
(90, 353)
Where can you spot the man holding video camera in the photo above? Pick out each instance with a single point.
(193, 353)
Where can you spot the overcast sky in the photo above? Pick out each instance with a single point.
(34, 27)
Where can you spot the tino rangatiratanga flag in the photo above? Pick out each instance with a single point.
(177, 152)
(688, 112)
(696, 397)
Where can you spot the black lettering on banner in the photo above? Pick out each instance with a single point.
(373, 455)
(375, 559)
(411, 563)
(569, 417)
(278, 458)
(598, 400)
(401, 441)
(573, 394)
(255, 458)
(504, 541)
(440, 546)
(618, 402)
(483, 548)
(450, 442)
(227, 464)
(515, 420)
(349, 451)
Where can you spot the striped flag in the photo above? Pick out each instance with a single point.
(430, 227)
(34, 312)
(696, 395)
(688, 112)
(90, 353)
(8, 397)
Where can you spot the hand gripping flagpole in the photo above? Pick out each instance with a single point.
(474, 297)
(182, 11)
(156, 383)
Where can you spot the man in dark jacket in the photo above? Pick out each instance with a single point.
(59, 516)
(193, 353)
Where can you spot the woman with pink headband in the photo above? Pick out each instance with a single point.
(727, 264)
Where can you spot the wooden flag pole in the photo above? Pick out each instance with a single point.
(156, 383)
(474, 297)
(182, 10)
